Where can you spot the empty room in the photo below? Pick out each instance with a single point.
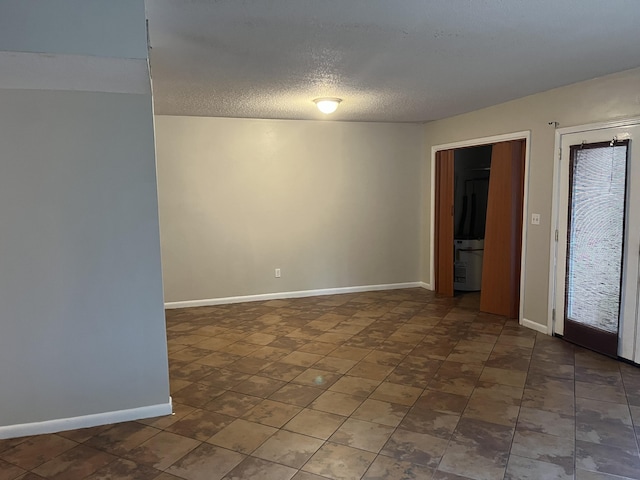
(305, 240)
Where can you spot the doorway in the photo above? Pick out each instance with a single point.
(597, 249)
(477, 228)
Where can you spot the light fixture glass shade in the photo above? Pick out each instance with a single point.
(327, 105)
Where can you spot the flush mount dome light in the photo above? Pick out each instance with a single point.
(327, 105)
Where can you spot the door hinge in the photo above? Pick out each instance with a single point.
(556, 235)
(553, 314)
(560, 154)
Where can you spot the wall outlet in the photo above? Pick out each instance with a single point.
(277, 273)
(535, 219)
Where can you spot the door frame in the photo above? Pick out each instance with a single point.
(476, 142)
(552, 315)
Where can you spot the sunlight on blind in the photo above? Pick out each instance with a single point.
(596, 229)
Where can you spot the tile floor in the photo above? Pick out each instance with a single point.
(382, 385)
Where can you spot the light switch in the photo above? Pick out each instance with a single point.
(535, 219)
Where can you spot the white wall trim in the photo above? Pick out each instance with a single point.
(624, 122)
(39, 71)
(538, 327)
(523, 135)
(426, 286)
(207, 302)
(85, 421)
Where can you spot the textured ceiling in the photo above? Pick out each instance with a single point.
(398, 61)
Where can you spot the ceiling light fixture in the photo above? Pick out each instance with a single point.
(327, 104)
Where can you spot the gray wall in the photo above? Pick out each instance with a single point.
(602, 99)
(82, 322)
(105, 28)
(332, 204)
(80, 277)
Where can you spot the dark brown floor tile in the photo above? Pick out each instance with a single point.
(334, 364)
(315, 423)
(36, 451)
(206, 462)
(442, 402)
(604, 422)
(162, 450)
(83, 434)
(387, 468)
(233, 404)
(271, 413)
(396, 393)
(318, 348)
(190, 354)
(282, 371)
(256, 468)
(74, 464)
(197, 394)
(295, 394)
(357, 386)
(258, 386)
(612, 393)
(122, 437)
(543, 421)
(477, 450)
(10, 472)
(546, 448)
(607, 459)
(270, 354)
(218, 359)
(191, 372)
(201, 424)
(483, 435)
(434, 423)
(416, 448)
(223, 379)
(248, 365)
(242, 436)
(363, 435)
(339, 462)
(520, 468)
(337, 403)
(260, 338)
(491, 410)
(350, 353)
(301, 359)
(30, 476)
(550, 384)
(552, 402)
(384, 413)
(179, 411)
(122, 469)
(7, 443)
(313, 377)
(288, 448)
(371, 371)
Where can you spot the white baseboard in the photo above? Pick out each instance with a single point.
(298, 294)
(426, 286)
(535, 326)
(85, 421)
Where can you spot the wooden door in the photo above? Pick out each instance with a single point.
(500, 292)
(443, 247)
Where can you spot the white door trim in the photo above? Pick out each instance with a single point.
(560, 132)
(523, 135)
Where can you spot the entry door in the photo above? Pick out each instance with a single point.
(599, 241)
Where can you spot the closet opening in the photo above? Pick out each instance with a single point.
(472, 168)
(479, 198)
